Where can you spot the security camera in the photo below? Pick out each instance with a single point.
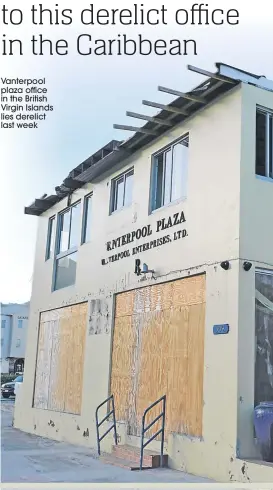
(247, 266)
(225, 265)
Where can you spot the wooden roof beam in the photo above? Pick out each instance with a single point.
(210, 74)
(135, 129)
(163, 107)
(155, 120)
(193, 98)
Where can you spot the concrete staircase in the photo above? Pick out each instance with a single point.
(129, 457)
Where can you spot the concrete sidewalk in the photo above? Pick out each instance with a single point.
(27, 459)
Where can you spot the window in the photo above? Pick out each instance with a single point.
(169, 175)
(66, 271)
(86, 226)
(67, 246)
(122, 191)
(3, 323)
(264, 143)
(20, 323)
(2, 342)
(50, 238)
(18, 343)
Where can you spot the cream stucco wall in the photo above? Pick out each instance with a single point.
(218, 156)
(256, 246)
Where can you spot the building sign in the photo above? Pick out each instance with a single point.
(221, 329)
(22, 317)
(145, 232)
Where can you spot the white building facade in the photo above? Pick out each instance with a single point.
(154, 276)
(14, 322)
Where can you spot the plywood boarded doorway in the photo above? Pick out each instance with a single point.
(158, 348)
(60, 359)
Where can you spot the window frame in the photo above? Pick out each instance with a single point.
(153, 175)
(123, 176)
(57, 254)
(50, 237)
(85, 217)
(268, 113)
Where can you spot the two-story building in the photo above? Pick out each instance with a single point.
(14, 322)
(154, 276)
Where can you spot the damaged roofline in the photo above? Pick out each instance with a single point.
(184, 106)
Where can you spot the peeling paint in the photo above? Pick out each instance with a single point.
(99, 318)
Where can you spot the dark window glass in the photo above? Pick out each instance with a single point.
(66, 271)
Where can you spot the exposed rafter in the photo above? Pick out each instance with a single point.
(164, 107)
(209, 74)
(194, 98)
(102, 162)
(155, 120)
(134, 129)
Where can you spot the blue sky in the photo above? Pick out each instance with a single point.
(89, 95)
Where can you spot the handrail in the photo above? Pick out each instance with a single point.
(98, 424)
(144, 429)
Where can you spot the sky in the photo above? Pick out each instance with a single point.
(90, 94)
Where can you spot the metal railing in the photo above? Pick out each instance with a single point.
(161, 431)
(98, 424)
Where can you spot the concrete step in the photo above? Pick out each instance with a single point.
(131, 454)
(123, 463)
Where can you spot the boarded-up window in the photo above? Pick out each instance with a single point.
(60, 360)
(158, 349)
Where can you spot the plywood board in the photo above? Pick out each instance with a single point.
(60, 359)
(158, 349)
(75, 348)
(43, 365)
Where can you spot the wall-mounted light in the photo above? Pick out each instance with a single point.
(225, 265)
(145, 270)
(247, 266)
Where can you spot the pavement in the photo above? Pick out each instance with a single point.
(26, 458)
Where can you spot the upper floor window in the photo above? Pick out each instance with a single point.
(169, 175)
(67, 246)
(20, 323)
(69, 228)
(18, 343)
(264, 143)
(3, 323)
(122, 191)
(86, 225)
(2, 342)
(50, 238)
